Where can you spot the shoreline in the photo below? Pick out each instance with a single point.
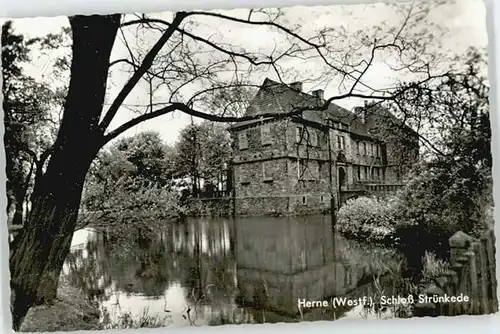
(71, 311)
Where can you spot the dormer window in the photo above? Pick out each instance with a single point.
(314, 138)
(341, 143)
(242, 140)
(298, 134)
(265, 135)
(267, 171)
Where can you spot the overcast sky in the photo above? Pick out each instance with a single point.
(465, 21)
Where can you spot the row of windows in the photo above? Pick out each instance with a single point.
(267, 173)
(265, 137)
(322, 199)
(311, 138)
(338, 125)
(363, 173)
(306, 170)
(312, 170)
(369, 149)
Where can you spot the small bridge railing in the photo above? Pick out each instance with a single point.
(372, 187)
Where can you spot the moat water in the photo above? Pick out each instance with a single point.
(225, 271)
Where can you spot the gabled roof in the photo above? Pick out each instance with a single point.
(275, 97)
(279, 98)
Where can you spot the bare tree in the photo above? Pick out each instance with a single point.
(190, 66)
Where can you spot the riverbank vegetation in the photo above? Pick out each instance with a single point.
(71, 311)
(141, 180)
(450, 190)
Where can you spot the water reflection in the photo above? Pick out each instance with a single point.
(211, 272)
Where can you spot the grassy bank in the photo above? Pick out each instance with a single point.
(71, 311)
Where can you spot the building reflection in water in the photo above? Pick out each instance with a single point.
(249, 270)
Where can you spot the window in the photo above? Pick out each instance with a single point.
(298, 134)
(304, 200)
(267, 172)
(322, 199)
(364, 148)
(315, 171)
(378, 174)
(300, 169)
(307, 170)
(265, 135)
(358, 149)
(378, 151)
(314, 138)
(366, 173)
(372, 174)
(242, 176)
(340, 143)
(243, 140)
(358, 170)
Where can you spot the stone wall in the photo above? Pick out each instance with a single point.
(210, 207)
(267, 177)
(473, 275)
(261, 206)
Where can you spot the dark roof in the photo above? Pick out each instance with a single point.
(275, 97)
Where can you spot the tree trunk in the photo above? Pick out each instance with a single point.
(18, 213)
(40, 250)
(20, 197)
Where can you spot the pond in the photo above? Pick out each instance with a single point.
(223, 271)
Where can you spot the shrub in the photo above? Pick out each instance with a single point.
(367, 218)
(439, 199)
(432, 268)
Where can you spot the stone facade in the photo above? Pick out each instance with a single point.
(290, 166)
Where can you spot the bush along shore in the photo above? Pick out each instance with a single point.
(368, 219)
(413, 225)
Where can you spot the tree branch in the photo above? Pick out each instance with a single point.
(143, 68)
(227, 119)
(315, 46)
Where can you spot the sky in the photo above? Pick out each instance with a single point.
(465, 21)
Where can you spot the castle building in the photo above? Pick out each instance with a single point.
(291, 165)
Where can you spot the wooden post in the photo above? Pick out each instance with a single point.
(473, 292)
(491, 267)
(483, 275)
(459, 244)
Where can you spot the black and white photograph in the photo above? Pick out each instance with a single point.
(248, 166)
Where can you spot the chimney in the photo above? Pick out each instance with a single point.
(319, 93)
(361, 113)
(296, 86)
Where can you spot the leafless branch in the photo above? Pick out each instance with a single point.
(145, 65)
